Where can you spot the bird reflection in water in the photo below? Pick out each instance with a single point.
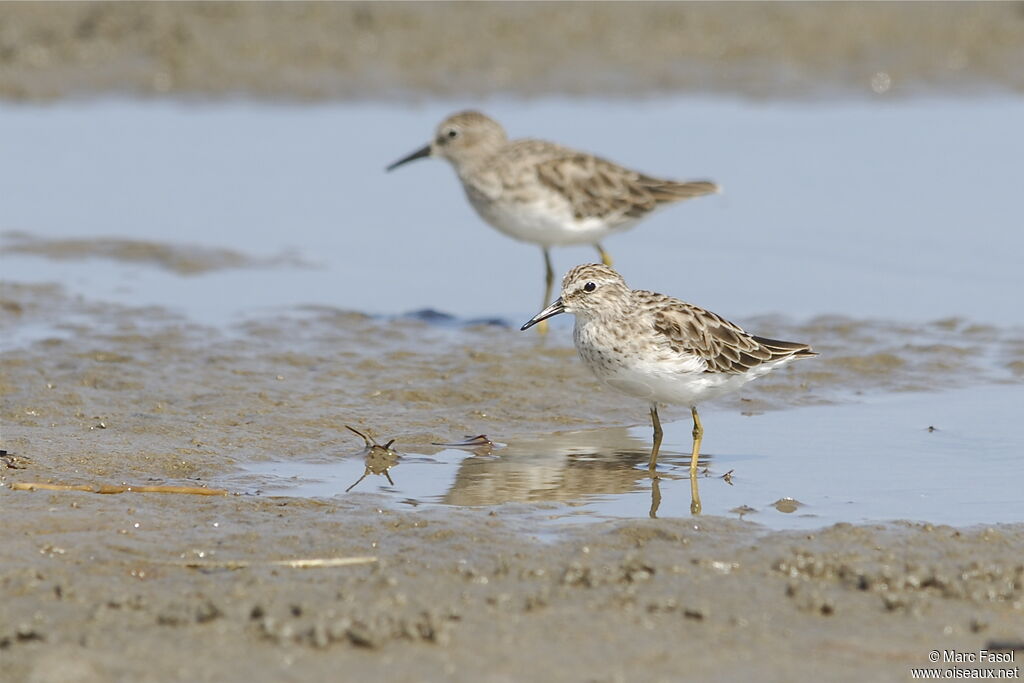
(695, 505)
(567, 467)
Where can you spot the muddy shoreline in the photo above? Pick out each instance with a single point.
(117, 587)
(408, 51)
(96, 590)
(158, 587)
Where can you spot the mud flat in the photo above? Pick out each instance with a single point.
(505, 572)
(147, 586)
(97, 589)
(410, 50)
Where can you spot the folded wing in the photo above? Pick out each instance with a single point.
(723, 345)
(597, 188)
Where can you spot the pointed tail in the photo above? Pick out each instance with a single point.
(672, 191)
(785, 348)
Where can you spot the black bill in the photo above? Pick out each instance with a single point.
(549, 312)
(418, 154)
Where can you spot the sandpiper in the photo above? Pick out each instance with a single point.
(541, 192)
(659, 348)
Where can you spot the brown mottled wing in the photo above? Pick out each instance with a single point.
(601, 189)
(724, 346)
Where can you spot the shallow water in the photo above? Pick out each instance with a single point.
(945, 458)
(235, 238)
(902, 210)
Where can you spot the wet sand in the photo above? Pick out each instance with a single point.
(178, 259)
(98, 586)
(414, 50)
(96, 591)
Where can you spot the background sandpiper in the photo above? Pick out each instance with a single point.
(546, 194)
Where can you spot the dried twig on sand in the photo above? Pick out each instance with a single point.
(310, 563)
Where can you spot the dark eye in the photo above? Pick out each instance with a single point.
(589, 287)
(452, 133)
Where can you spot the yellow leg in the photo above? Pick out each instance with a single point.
(655, 497)
(695, 506)
(698, 434)
(657, 438)
(549, 281)
(605, 256)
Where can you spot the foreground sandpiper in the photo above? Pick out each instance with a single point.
(540, 192)
(659, 348)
